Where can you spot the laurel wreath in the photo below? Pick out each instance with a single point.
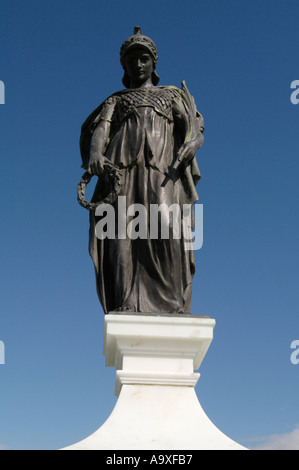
(117, 177)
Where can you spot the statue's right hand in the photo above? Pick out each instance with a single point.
(97, 164)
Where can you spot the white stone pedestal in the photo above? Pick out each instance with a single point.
(155, 357)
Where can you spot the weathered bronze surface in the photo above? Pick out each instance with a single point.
(141, 143)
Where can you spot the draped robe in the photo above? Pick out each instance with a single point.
(145, 275)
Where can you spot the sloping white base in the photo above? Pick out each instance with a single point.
(157, 408)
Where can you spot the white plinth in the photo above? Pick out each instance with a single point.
(155, 357)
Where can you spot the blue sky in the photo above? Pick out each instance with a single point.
(58, 61)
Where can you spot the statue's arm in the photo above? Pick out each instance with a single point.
(189, 148)
(191, 126)
(100, 140)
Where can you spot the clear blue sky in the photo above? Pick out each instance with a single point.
(58, 61)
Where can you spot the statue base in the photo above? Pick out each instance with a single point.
(155, 357)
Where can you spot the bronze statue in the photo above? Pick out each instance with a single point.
(141, 143)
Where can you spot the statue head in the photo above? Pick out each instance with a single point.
(138, 40)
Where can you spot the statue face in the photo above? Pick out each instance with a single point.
(139, 66)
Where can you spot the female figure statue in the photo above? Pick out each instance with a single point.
(150, 134)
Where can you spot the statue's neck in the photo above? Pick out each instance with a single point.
(147, 84)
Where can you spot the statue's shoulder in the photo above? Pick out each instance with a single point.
(168, 87)
(170, 93)
(94, 116)
(171, 88)
(180, 93)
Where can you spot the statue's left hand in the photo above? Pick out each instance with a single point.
(186, 153)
